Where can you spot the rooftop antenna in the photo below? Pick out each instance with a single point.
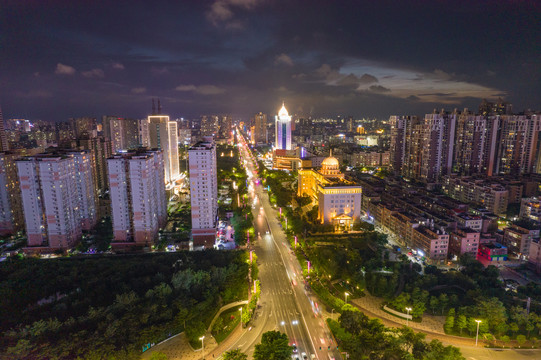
(153, 107)
(159, 107)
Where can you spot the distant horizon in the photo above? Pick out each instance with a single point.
(247, 117)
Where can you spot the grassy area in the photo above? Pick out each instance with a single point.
(225, 324)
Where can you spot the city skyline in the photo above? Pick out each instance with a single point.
(245, 56)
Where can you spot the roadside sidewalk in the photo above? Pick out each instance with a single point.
(432, 326)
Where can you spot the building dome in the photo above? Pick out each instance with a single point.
(283, 112)
(330, 163)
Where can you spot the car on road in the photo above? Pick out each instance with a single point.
(294, 348)
(304, 356)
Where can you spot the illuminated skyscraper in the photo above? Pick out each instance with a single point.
(163, 134)
(283, 130)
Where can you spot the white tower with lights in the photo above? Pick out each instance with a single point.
(283, 129)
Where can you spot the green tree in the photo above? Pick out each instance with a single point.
(218, 325)
(449, 323)
(461, 322)
(434, 303)
(437, 351)
(444, 301)
(472, 325)
(274, 346)
(505, 339)
(521, 339)
(513, 327)
(234, 355)
(158, 356)
(493, 311)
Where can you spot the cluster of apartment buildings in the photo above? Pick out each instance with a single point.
(120, 168)
(464, 143)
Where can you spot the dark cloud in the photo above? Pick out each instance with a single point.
(438, 94)
(368, 79)
(413, 98)
(379, 89)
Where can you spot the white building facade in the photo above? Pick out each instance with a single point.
(138, 202)
(283, 130)
(203, 191)
(163, 134)
(58, 198)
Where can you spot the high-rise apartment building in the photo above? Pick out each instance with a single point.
(399, 129)
(476, 144)
(283, 130)
(209, 125)
(413, 149)
(100, 148)
(226, 125)
(3, 138)
(138, 201)
(437, 145)
(84, 126)
(11, 212)
(163, 134)
(203, 192)
(260, 128)
(57, 193)
(518, 144)
(124, 133)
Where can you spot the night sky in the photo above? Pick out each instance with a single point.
(60, 59)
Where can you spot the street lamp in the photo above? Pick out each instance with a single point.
(346, 297)
(240, 318)
(408, 309)
(477, 335)
(203, 345)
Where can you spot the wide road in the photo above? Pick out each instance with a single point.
(285, 304)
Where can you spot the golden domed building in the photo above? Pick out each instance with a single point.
(338, 199)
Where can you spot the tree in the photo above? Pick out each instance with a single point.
(234, 355)
(449, 323)
(158, 356)
(461, 322)
(274, 346)
(493, 311)
(521, 339)
(444, 301)
(434, 303)
(513, 327)
(436, 351)
(505, 339)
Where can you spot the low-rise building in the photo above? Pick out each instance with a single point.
(473, 222)
(530, 209)
(491, 195)
(493, 251)
(433, 243)
(518, 239)
(464, 241)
